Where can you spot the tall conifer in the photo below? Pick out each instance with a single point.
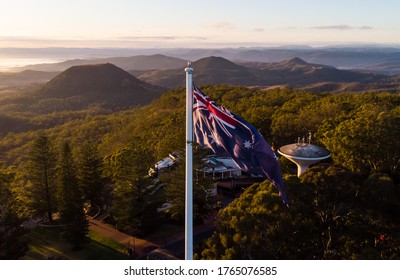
(70, 202)
(12, 243)
(41, 173)
(90, 174)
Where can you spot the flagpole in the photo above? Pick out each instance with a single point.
(189, 165)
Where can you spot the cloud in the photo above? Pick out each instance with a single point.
(121, 41)
(342, 27)
(223, 25)
(155, 38)
(161, 38)
(365, 27)
(259, 29)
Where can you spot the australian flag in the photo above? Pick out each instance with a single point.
(228, 134)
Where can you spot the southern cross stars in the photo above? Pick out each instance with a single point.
(247, 144)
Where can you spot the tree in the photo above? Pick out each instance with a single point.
(134, 205)
(366, 141)
(12, 243)
(381, 212)
(136, 196)
(379, 192)
(334, 191)
(41, 191)
(356, 219)
(132, 161)
(330, 217)
(258, 225)
(175, 188)
(90, 170)
(288, 122)
(70, 202)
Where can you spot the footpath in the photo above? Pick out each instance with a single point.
(143, 247)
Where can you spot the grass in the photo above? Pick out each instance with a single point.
(47, 243)
(110, 243)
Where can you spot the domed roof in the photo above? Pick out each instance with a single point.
(304, 150)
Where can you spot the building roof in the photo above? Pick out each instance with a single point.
(304, 150)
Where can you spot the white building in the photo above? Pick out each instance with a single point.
(220, 168)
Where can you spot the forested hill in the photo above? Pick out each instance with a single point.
(81, 87)
(105, 84)
(365, 124)
(207, 71)
(347, 202)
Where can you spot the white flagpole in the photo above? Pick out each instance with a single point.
(189, 165)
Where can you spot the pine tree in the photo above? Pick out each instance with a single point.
(90, 174)
(70, 202)
(136, 196)
(41, 172)
(134, 206)
(12, 243)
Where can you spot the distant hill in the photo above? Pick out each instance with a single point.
(168, 72)
(342, 57)
(207, 71)
(388, 67)
(25, 77)
(217, 70)
(139, 62)
(357, 57)
(102, 84)
(296, 72)
(293, 72)
(76, 93)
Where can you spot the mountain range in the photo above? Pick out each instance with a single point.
(361, 58)
(294, 72)
(105, 87)
(139, 62)
(371, 58)
(10, 79)
(41, 73)
(112, 87)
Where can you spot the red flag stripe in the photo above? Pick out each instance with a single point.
(218, 112)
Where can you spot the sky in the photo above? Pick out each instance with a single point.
(200, 23)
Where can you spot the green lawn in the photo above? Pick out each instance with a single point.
(47, 243)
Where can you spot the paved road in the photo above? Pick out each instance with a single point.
(175, 243)
(178, 246)
(142, 247)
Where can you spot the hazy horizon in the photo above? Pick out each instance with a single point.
(191, 24)
(45, 31)
(12, 58)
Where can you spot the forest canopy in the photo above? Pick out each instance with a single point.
(361, 130)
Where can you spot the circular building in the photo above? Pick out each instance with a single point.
(303, 155)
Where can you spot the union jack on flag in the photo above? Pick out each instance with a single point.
(227, 134)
